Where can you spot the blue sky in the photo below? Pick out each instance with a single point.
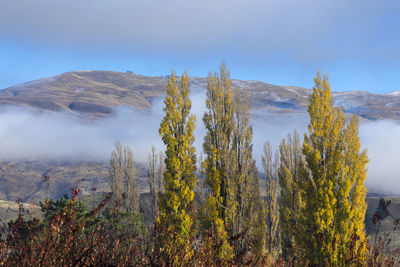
(282, 42)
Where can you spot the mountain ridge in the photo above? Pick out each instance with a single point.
(96, 94)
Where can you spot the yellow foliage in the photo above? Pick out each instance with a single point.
(176, 130)
(234, 199)
(290, 168)
(218, 121)
(331, 225)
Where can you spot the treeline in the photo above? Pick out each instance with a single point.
(212, 211)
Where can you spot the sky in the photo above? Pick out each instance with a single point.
(283, 42)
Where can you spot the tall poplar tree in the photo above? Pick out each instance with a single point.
(331, 222)
(270, 167)
(245, 191)
(126, 193)
(234, 205)
(155, 176)
(176, 203)
(290, 168)
(353, 209)
(218, 121)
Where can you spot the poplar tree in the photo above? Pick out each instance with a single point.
(155, 176)
(245, 193)
(234, 207)
(331, 221)
(202, 186)
(353, 209)
(270, 167)
(126, 193)
(218, 121)
(290, 168)
(132, 193)
(116, 173)
(176, 203)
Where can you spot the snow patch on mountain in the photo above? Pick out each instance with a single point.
(394, 93)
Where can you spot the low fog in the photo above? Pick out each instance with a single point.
(27, 134)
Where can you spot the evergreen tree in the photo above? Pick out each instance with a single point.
(176, 203)
(271, 196)
(290, 168)
(51, 208)
(331, 221)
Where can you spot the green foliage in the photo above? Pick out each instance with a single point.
(52, 208)
(123, 226)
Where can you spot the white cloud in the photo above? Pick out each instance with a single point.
(24, 134)
(381, 138)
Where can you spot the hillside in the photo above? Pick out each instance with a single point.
(24, 179)
(95, 94)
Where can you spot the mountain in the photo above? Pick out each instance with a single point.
(96, 94)
(88, 93)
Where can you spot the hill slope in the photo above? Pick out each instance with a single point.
(95, 94)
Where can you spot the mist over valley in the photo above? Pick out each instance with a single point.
(66, 126)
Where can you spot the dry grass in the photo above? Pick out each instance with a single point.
(94, 94)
